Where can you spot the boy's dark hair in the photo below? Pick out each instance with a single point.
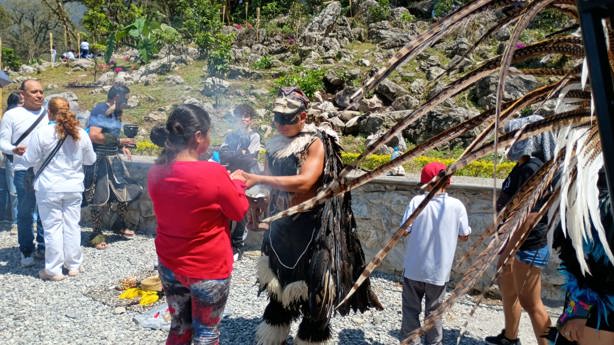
(13, 100)
(116, 90)
(244, 110)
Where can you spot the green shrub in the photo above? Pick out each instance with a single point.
(309, 80)
(10, 59)
(407, 17)
(264, 62)
(379, 12)
(478, 168)
(219, 54)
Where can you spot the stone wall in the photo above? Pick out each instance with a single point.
(378, 207)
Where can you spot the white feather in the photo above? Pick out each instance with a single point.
(584, 77)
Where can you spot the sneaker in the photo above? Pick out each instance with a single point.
(42, 274)
(502, 340)
(26, 261)
(75, 271)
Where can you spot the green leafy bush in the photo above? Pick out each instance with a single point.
(10, 59)
(264, 62)
(309, 80)
(219, 54)
(379, 12)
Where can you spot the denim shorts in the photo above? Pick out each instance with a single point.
(536, 257)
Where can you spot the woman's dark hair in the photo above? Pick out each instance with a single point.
(13, 100)
(182, 124)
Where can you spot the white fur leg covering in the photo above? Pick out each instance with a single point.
(299, 341)
(267, 278)
(294, 292)
(267, 334)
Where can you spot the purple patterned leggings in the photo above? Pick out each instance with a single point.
(196, 307)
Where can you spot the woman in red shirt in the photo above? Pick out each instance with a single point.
(194, 201)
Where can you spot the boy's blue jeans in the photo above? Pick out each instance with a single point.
(26, 205)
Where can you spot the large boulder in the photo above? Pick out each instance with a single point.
(71, 97)
(437, 121)
(389, 91)
(332, 81)
(386, 36)
(81, 64)
(25, 69)
(370, 105)
(516, 85)
(326, 19)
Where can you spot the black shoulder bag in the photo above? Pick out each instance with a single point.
(27, 132)
(50, 157)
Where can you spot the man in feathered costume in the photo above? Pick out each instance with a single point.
(309, 260)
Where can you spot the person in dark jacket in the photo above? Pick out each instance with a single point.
(520, 278)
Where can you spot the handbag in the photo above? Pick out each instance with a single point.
(27, 132)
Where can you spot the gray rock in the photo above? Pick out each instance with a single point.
(398, 13)
(424, 8)
(371, 124)
(82, 64)
(175, 79)
(458, 47)
(342, 98)
(106, 78)
(347, 115)
(516, 85)
(149, 79)
(369, 105)
(503, 34)
(326, 106)
(434, 72)
(71, 97)
(156, 117)
(26, 69)
(215, 86)
(364, 62)
(332, 81)
(389, 91)
(405, 102)
(352, 127)
(133, 102)
(337, 123)
(438, 120)
(325, 20)
(386, 36)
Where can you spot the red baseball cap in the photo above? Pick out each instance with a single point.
(431, 170)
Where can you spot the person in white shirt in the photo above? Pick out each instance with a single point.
(14, 124)
(85, 49)
(429, 253)
(59, 187)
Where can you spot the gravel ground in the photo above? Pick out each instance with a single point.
(74, 311)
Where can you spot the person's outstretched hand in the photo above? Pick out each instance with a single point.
(238, 175)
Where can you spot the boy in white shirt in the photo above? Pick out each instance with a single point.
(429, 253)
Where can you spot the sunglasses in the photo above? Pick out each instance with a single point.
(285, 120)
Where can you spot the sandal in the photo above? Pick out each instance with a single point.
(99, 242)
(127, 233)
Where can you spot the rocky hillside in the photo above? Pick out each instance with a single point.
(330, 56)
